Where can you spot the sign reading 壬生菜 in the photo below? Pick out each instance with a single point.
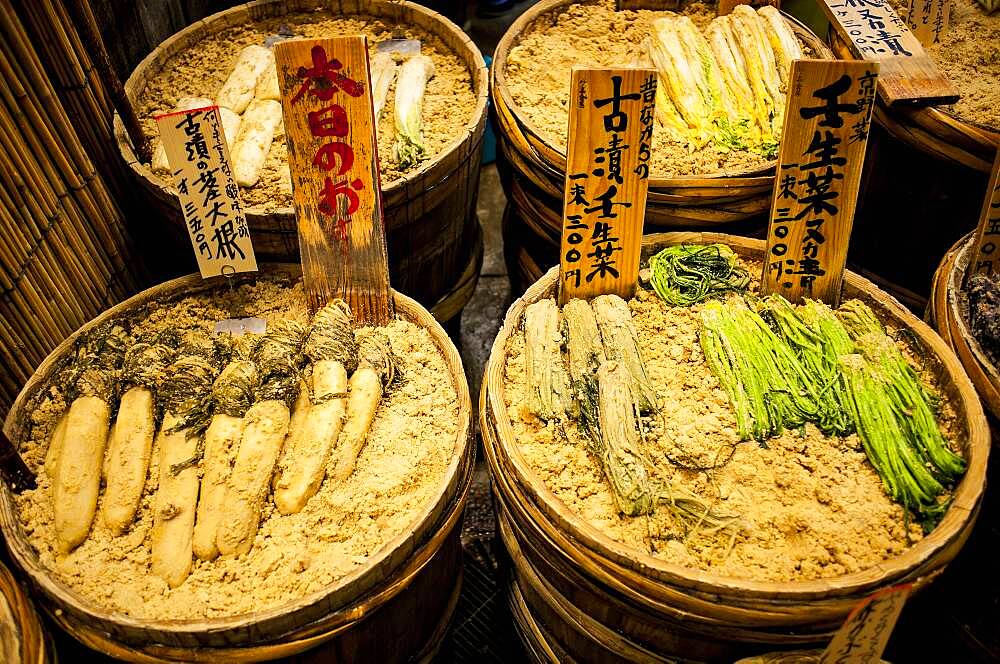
(929, 20)
(330, 128)
(819, 171)
(875, 33)
(607, 171)
(210, 199)
(986, 250)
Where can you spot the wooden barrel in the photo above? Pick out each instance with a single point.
(602, 601)
(534, 170)
(22, 639)
(947, 313)
(393, 609)
(432, 231)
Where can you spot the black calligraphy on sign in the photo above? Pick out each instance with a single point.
(808, 191)
(604, 196)
(338, 197)
(864, 634)
(583, 215)
(199, 158)
(873, 26)
(646, 115)
(988, 242)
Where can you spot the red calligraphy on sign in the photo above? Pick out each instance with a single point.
(326, 157)
(335, 125)
(328, 201)
(325, 78)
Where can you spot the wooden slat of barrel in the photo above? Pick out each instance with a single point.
(429, 214)
(286, 622)
(749, 611)
(22, 638)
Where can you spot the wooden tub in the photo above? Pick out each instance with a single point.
(600, 601)
(432, 231)
(393, 609)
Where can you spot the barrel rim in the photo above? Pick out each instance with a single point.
(504, 101)
(966, 497)
(431, 169)
(386, 559)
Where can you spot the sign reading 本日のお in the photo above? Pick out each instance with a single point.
(198, 156)
(333, 158)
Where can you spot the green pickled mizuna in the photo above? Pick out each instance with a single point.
(686, 274)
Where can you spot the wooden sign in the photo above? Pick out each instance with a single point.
(607, 172)
(862, 638)
(336, 187)
(198, 155)
(819, 171)
(986, 252)
(875, 33)
(929, 20)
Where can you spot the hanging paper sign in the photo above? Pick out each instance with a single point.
(862, 638)
(336, 189)
(819, 171)
(198, 155)
(607, 172)
(875, 33)
(929, 20)
(986, 253)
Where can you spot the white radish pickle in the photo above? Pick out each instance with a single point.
(232, 394)
(278, 359)
(257, 131)
(238, 90)
(333, 351)
(93, 390)
(376, 368)
(185, 394)
(131, 442)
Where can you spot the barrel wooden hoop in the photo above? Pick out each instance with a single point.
(273, 623)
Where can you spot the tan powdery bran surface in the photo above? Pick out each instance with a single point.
(969, 55)
(200, 71)
(594, 34)
(811, 506)
(399, 474)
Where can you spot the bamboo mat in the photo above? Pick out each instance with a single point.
(64, 252)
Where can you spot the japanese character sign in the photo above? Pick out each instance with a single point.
(875, 33)
(209, 196)
(610, 142)
(986, 252)
(929, 20)
(819, 171)
(333, 158)
(865, 633)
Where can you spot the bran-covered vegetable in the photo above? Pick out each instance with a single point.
(761, 460)
(400, 471)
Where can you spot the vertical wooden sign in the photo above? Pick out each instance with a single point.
(986, 251)
(336, 186)
(607, 170)
(929, 20)
(819, 171)
(862, 638)
(198, 155)
(875, 33)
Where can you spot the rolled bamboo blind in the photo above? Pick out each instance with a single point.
(65, 254)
